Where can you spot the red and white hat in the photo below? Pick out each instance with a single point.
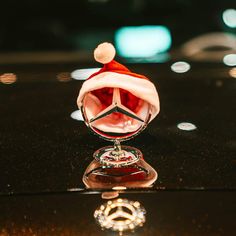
(116, 75)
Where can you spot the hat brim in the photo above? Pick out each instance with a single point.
(141, 88)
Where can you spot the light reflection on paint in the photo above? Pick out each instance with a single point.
(186, 126)
(77, 115)
(232, 72)
(8, 78)
(180, 67)
(74, 189)
(142, 41)
(206, 47)
(219, 83)
(229, 17)
(64, 77)
(110, 195)
(230, 60)
(119, 188)
(83, 74)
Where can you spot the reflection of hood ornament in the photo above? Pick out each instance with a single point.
(120, 215)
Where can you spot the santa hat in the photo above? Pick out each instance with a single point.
(116, 75)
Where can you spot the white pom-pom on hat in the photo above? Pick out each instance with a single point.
(104, 53)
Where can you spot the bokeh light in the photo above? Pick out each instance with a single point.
(64, 77)
(232, 72)
(77, 115)
(229, 18)
(230, 59)
(83, 74)
(186, 126)
(142, 41)
(8, 78)
(180, 67)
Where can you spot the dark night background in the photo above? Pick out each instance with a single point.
(34, 25)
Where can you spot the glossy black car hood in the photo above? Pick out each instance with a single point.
(43, 149)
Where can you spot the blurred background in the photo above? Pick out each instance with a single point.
(197, 30)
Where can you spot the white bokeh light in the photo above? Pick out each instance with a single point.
(229, 18)
(77, 115)
(186, 126)
(232, 72)
(230, 60)
(83, 74)
(180, 67)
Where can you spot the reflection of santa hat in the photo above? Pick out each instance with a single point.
(115, 75)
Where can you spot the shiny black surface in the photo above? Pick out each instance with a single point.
(168, 213)
(44, 153)
(43, 149)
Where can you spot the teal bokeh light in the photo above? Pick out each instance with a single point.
(229, 18)
(142, 41)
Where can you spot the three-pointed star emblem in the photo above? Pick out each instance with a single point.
(116, 106)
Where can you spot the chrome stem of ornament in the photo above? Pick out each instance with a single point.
(116, 156)
(120, 215)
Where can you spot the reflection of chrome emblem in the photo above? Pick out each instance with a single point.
(120, 215)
